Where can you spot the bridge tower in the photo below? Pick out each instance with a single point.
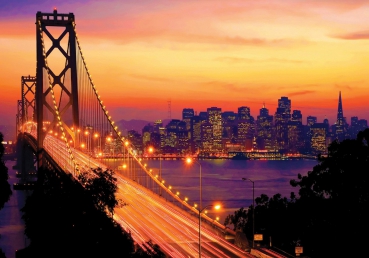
(28, 84)
(19, 117)
(56, 92)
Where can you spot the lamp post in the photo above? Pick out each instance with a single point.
(189, 161)
(253, 210)
(160, 172)
(217, 207)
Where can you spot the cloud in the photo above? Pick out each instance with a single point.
(297, 93)
(149, 78)
(340, 86)
(237, 60)
(358, 35)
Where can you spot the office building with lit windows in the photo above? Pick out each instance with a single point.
(215, 119)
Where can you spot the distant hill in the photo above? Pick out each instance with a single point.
(136, 125)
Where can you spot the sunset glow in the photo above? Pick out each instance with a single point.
(200, 54)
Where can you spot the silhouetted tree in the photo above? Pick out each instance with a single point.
(329, 218)
(101, 187)
(61, 220)
(2, 255)
(334, 200)
(5, 189)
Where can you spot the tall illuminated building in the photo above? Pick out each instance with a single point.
(229, 121)
(207, 139)
(318, 138)
(310, 120)
(296, 116)
(340, 125)
(215, 119)
(245, 128)
(244, 113)
(195, 143)
(264, 130)
(281, 118)
(187, 114)
(295, 133)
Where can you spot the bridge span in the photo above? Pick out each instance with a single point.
(62, 118)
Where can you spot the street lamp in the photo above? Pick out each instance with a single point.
(97, 137)
(217, 207)
(253, 210)
(151, 151)
(189, 161)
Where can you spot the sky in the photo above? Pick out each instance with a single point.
(144, 54)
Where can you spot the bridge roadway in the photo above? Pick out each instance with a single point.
(150, 217)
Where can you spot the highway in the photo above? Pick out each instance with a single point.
(150, 217)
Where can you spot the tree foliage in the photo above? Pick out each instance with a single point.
(329, 217)
(5, 189)
(63, 219)
(101, 188)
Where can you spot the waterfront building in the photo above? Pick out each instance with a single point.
(157, 125)
(229, 116)
(187, 114)
(296, 116)
(244, 113)
(204, 115)
(163, 136)
(136, 140)
(172, 134)
(195, 132)
(310, 120)
(207, 137)
(215, 119)
(146, 134)
(264, 130)
(318, 138)
(281, 118)
(295, 137)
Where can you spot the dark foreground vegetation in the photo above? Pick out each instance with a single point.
(65, 219)
(5, 189)
(330, 215)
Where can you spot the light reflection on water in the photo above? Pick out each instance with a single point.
(221, 179)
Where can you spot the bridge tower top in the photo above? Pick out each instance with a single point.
(55, 18)
(56, 88)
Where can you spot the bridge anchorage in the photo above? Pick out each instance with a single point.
(64, 122)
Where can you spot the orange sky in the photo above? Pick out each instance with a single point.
(204, 53)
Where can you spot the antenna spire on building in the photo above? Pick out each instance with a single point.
(169, 109)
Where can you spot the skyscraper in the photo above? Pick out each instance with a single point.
(264, 128)
(295, 132)
(340, 126)
(215, 119)
(243, 113)
(281, 118)
(187, 114)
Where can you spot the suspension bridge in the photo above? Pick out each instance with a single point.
(63, 124)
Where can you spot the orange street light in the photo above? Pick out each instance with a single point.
(216, 207)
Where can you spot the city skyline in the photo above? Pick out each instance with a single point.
(204, 54)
